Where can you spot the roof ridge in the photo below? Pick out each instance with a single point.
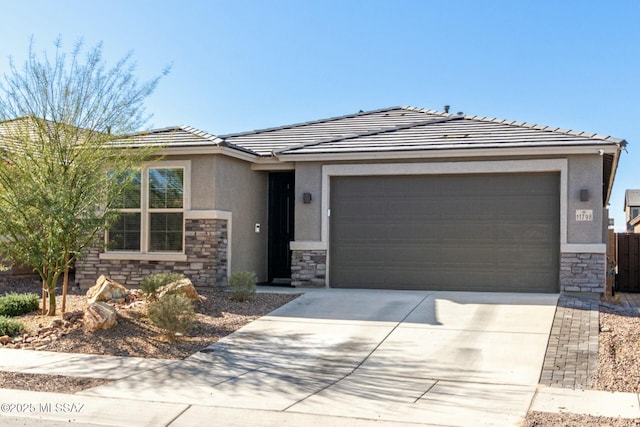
(371, 132)
(151, 131)
(525, 125)
(202, 134)
(311, 122)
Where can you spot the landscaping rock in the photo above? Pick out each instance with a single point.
(179, 287)
(99, 315)
(72, 316)
(106, 289)
(5, 339)
(55, 323)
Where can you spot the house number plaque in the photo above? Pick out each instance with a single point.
(584, 214)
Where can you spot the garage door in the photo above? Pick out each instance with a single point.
(485, 232)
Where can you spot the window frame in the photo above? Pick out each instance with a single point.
(145, 211)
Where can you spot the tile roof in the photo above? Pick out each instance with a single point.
(176, 136)
(267, 141)
(394, 129)
(170, 136)
(631, 198)
(433, 130)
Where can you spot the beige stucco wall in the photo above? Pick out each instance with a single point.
(202, 182)
(585, 172)
(243, 192)
(307, 220)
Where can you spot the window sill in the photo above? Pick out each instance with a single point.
(137, 256)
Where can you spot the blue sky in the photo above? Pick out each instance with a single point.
(241, 65)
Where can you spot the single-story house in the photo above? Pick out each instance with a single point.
(397, 198)
(632, 210)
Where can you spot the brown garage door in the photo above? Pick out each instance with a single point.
(485, 232)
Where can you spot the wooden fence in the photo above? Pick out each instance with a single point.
(628, 260)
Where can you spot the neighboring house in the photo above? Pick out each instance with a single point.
(632, 210)
(400, 198)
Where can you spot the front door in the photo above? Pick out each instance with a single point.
(281, 211)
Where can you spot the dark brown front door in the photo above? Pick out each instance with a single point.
(281, 221)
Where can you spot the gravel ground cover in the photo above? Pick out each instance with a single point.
(544, 419)
(217, 316)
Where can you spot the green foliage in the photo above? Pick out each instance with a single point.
(10, 327)
(152, 282)
(61, 173)
(242, 285)
(172, 313)
(14, 304)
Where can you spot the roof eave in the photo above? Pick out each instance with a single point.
(453, 152)
(208, 149)
(616, 159)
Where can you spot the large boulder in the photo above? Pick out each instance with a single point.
(179, 287)
(99, 315)
(106, 289)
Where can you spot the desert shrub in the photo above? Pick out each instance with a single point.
(172, 313)
(152, 282)
(13, 304)
(9, 326)
(242, 285)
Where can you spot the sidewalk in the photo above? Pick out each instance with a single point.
(19, 407)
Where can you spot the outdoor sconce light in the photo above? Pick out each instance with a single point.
(306, 198)
(584, 195)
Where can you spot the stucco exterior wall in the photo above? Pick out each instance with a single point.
(203, 186)
(308, 216)
(585, 172)
(244, 192)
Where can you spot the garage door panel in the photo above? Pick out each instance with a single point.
(457, 232)
(356, 256)
(407, 255)
(402, 209)
(413, 231)
(353, 208)
(361, 231)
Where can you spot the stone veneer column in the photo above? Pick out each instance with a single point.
(308, 267)
(582, 272)
(206, 242)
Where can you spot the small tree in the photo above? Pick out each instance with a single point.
(61, 172)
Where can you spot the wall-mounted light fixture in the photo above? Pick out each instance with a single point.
(306, 198)
(584, 195)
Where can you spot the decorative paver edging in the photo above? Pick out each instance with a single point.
(571, 359)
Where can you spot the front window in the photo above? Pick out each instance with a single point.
(151, 213)
(166, 193)
(635, 212)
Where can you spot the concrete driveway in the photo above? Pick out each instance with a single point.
(340, 357)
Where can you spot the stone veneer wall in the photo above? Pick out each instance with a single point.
(308, 268)
(582, 272)
(206, 242)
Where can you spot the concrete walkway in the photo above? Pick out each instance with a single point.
(332, 358)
